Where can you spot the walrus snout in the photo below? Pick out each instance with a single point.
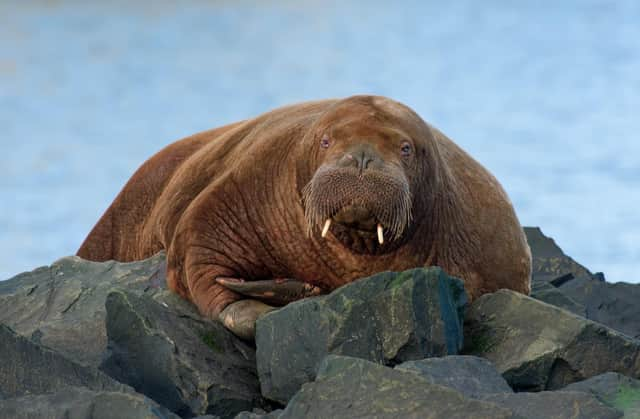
(360, 193)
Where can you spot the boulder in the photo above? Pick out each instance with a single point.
(477, 378)
(614, 305)
(165, 350)
(388, 318)
(29, 368)
(537, 346)
(470, 375)
(348, 387)
(36, 381)
(554, 405)
(81, 403)
(275, 414)
(613, 389)
(62, 305)
(545, 291)
(549, 262)
(151, 338)
(561, 281)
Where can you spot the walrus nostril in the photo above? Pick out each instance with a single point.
(363, 160)
(361, 157)
(364, 163)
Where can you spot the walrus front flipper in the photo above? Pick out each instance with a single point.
(240, 317)
(275, 292)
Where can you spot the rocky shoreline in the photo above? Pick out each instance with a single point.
(107, 340)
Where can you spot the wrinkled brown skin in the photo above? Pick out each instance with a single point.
(228, 203)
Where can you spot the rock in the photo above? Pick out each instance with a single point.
(545, 291)
(350, 387)
(615, 305)
(29, 368)
(561, 281)
(165, 350)
(39, 382)
(554, 405)
(275, 414)
(537, 346)
(613, 389)
(549, 261)
(477, 378)
(388, 318)
(81, 403)
(62, 306)
(470, 375)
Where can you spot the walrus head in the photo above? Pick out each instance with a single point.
(369, 166)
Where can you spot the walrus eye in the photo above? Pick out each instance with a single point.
(405, 149)
(324, 142)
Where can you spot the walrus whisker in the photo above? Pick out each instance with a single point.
(380, 234)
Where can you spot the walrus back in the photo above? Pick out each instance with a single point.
(116, 236)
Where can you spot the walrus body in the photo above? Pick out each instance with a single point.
(322, 192)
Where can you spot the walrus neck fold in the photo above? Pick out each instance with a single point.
(446, 224)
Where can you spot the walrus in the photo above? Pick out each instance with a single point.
(306, 198)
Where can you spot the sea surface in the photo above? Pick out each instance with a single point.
(544, 94)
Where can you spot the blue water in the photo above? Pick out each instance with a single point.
(544, 94)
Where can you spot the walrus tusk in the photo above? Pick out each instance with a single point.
(380, 234)
(325, 229)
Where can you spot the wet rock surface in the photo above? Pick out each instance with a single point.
(388, 318)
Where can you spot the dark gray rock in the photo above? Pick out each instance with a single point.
(613, 389)
(561, 281)
(537, 346)
(251, 415)
(81, 403)
(477, 378)
(554, 405)
(548, 260)
(388, 318)
(350, 387)
(38, 382)
(470, 375)
(545, 291)
(614, 305)
(165, 350)
(62, 306)
(29, 368)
